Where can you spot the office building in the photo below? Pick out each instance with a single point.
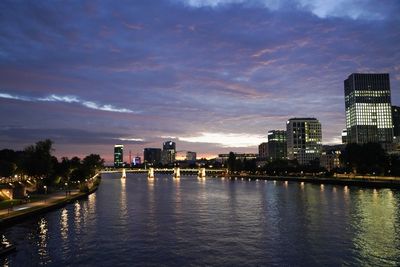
(118, 156)
(137, 161)
(263, 151)
(239, 156)
(168, 153)
(191, 156)
(344, 136)
(277, 147)
(368, 109)
(152, 156)
(304, 139)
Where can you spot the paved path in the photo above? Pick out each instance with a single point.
(54, 197)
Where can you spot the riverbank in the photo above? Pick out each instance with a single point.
(371, 182)
(54, 201)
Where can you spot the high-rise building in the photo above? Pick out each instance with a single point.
(152, 156)
(344, 136)
(168, 153)
(277, 147)
(368, 109)
(396, 124)
(263, 151)
(304, 139)
(191, 156)
(118, 156)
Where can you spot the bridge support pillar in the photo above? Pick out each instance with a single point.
(202, 173)
(177, 172)
(150, 174)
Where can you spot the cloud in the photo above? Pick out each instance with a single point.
(131, 139)
(8, 96)
(69, 100)
(354, 9)
(226, 139)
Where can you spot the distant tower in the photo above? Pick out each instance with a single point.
(168, 153)
(277, 148)
(304, 139)
(368, 109)
(118, 155)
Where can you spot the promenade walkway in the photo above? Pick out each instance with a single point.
(47, 201)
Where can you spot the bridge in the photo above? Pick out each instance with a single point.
(201, 172)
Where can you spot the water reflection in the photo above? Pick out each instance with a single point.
(77, 216)
(43, 235)
(182, 222)
(123, 203)
(64, 224)
(375, 222)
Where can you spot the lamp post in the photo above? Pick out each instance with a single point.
(45, 192)
(66, 189)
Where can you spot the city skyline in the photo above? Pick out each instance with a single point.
(212, 76)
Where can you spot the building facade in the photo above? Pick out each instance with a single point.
(191, 156)
(168, 153)
(304, 139)
(368, 109)
(344, 136)
(277, 146)
(152, 156)
(118, 156)
(263, 151)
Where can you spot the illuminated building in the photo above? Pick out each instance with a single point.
(277, 147)
(152, 156)
(368, 109)
(239, 156)
(263, 151)
(137, 161)
(396, 124)
(168, 153)
(344, 136)
(118, 156)
(304, 139)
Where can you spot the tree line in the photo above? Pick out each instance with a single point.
(37, 162)
(359, 159)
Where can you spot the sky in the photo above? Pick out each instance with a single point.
(213, 76)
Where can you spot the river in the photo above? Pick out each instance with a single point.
(213, 222)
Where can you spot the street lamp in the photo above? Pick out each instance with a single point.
(45, 192)
(66, 189)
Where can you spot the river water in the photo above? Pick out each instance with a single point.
(213, 222)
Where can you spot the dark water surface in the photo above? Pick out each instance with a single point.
(214, 222)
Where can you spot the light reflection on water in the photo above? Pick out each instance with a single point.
(192, 221)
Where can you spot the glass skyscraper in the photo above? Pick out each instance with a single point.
(277, 145)
(118, 155)
(368, 109)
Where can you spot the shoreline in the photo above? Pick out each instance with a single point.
(16, 217)
(360, 182)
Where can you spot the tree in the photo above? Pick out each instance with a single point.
(232, 162)
(364, 158)
(37, 160)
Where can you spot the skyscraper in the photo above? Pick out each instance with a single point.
(263, 151)
(304, 139)
(277, 147)
(118, 156)
(168, 153)
(368, 109)
(152, 156)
